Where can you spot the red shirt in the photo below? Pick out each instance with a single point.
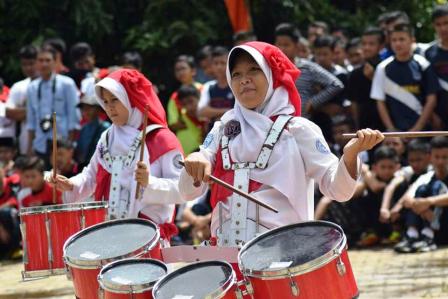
(42, 198)
(8, 197)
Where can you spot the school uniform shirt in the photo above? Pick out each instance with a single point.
(404, 87)
(40, 198)
(62, 98)
(158, 198)
(438, 58)
(317, 164)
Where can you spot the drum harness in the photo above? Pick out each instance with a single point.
(241, 228)
(119, 206)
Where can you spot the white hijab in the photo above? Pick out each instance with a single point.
(285, 161)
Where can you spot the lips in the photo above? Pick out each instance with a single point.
(247, 90)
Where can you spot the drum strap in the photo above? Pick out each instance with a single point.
(238, 233)
(118, 206)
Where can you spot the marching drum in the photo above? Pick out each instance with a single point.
(45, 230)
(304, 260)
(89, 250)
(130, 278)
(202, 280)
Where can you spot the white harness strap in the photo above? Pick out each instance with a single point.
(238, 233)
(119, 197)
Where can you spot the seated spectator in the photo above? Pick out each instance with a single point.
(8, 188)
(8, 151)
(399, 146)
(66, 165)
(385, 164)
(9, 234)
(427, 223)
(418, 155)
(36, 191)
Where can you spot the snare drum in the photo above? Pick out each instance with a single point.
(89, 250)
(45, 230)
(202, 280)
(304, 260)
(130, 278)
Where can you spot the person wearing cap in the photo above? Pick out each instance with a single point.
(114, 171)
(93, 127)
(262, 146)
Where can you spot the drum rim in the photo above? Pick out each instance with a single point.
(95, 264)
(68, 207)
(215, 294)
(134, 288)
(309, 266)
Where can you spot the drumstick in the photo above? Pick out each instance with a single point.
(55, 148)
(239, 192)
(406, 134)
(142, 145)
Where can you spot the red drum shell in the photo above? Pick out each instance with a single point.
(322, 280)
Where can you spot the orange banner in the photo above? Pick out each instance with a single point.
(239, 15)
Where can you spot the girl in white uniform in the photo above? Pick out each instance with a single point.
(114, 170)
(264, 147)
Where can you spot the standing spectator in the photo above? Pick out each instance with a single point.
(132, 60)
(437, 55)
(50, 93)
(242, 37)
(58, 44)
(83, 60)
(354, 53)
(15, 107)
(204, 69)
(340, 54)
(360, 81)
(391, 19)
(404, 85)
(4, 91)
(316, 29)
(216, 96)
(315, 84)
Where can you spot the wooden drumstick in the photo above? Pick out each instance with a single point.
(55, 149)
(142, 145)
(406, 134)
(239, 192)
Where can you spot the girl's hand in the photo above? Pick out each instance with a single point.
(142, 174)
(366, 139)
(61, 182)
(198, 167)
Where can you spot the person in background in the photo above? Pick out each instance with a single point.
(204, 68)
(132, 60)
(59, 45)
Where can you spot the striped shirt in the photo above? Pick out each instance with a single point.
(316, 84)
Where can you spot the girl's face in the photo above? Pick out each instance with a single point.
(183, 72)
(248, 82)
(115, 110)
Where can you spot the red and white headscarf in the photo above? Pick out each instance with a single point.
(135, 92)
(282, 97)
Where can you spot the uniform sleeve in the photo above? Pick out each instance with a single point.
(205, 96)
(173, 112)
(84, 183)
(430, 81)
(209, 150)
(30, 112)
(163, 187)
(14, 97)
(320, 164)
(72, 101)
(330, 84)
(377, 91)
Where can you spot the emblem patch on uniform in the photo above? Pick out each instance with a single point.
(176, 161)
(321, 148)
(232, 129)
(208, 140)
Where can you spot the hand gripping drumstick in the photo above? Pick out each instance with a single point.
(239, 192)
(55, 148)
(142, 145)
(406, 134)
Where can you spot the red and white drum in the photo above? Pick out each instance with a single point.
(130, 278)
(304, 260)
(89, 250)
(45, 230)
(211, 279)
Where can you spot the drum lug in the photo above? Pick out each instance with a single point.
(249, 290)
(341, 266)
(50, 249)
(68, 273)
(25, 251)
(83, 218)
(295, 291)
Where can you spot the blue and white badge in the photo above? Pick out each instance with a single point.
(321, 148)
(208, 140)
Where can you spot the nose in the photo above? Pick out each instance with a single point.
(245, 80)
